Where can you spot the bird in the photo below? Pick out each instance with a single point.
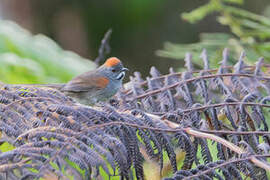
(97, 85)
(94, 86)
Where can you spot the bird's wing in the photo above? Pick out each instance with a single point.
(88, 81)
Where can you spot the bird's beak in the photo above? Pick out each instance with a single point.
(124, 69)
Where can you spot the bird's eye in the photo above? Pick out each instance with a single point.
(113, 70)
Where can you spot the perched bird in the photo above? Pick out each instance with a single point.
(97, 85)
(94, 86)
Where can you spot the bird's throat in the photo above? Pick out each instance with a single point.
(121, 75)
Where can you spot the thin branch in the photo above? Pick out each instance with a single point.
(195, 79)
(128, 91)
(213, 137)
(229, 145)
(29, 99)
(261, 133)
(218, 139)
(8, 167)
(225, 164)
(201, 108)
(169, 130)
(104, 47)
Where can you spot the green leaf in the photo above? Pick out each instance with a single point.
(199, 13)
(4, 147)
(39, 59)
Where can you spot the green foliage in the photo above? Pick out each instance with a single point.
(249, 32)
(25, 58)
(4, 147)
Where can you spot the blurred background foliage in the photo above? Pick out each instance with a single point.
(35, 59)
(247, 31)
(140, 29)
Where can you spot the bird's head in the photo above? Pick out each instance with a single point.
(114, 69)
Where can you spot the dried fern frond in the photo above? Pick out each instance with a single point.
(218, 118)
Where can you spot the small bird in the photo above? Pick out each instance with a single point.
(95, 86)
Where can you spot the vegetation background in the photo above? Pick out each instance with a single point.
(140, 28)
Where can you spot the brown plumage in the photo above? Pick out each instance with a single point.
(93, 86)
